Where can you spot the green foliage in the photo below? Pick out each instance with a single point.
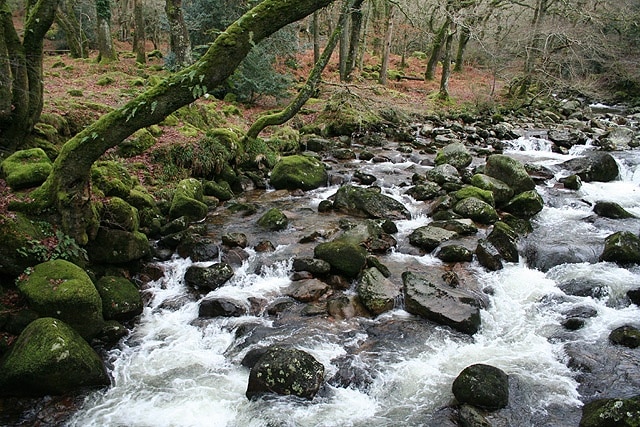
(105, 81)
(54, 245)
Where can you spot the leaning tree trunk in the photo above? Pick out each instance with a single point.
(106, 50)
(446, 65)
(436, 50)
(179, 42)
(310, 86)
(76, 37)
(66, 193)
(21, 88)
(139, 36)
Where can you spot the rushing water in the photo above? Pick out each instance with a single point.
(177, 370)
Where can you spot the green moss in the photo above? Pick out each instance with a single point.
(75, 92)
(116, 213)
(18, 233)
(112, 178)
(188, 200)
(274, 220)
(298, 171)
(120, 298)
(137, 144)
(105, 80)
(470, 191)
(346, 258)
(26, 168)
(346, 113)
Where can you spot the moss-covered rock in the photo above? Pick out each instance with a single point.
(220, 190)
(455, 253)
(368, 203)
(429, 237)
(188, 200)
(471, 191)
(49, 357)
(611, 210)
(502, 193)
(112, 178)
(26, 168)
(346, 113)
(622, 247)
(376, 292)
(137, 144)
(525, 204)
(476, 210)
(483, 386)
(116, 213)
(299, 172)
(344, 257)
(456, 154)
(611, 413)
(511, 171)
(63, 290)
(274, 220)
(18, 235)
(121, 299)
(285, 371)
(113, 246)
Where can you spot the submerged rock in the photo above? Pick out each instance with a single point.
(285, 371)
(483, 386)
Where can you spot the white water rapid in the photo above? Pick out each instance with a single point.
(177, 370)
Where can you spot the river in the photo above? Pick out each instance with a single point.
(177, 370)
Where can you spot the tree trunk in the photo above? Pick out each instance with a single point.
(446, 64)
(179, 42)
(533, 50)
(67, 194)
(106, 51)
(388, 35)
(310, 86)
(75, 35)
(344, 50)
(465, 36)
(316, 38)
(436, 50)
(354, 39)
(139, 36)
(21, 88)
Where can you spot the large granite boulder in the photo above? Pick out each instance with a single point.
(50, 357)
(525, 204)
(611, 413)
(208, 278)
(428, 296)
(594, 166)
(511, 171)
(622, 247)
(63, 290)
(112, 246)
(188, 200)
(345, 257)
(376, 292)
(285, 371)
(455, 154)
(26, 168)
(299, 172)
(502, 193)
(368, 203)
(476, 210)
(483, 386)
(121, 299)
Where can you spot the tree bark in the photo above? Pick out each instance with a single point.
(106, 51)
(75, 35)
(463, 40)
(67, 193)
(179, 42)
(436, 50)
(139, 36)
(446, 64)
(316, 38)
(388, 35)
(354, 38)
(310, 86)
(21, 91)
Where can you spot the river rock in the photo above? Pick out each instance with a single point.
(634, 296)
(18, 236)
(235, 240)
(274, 220)
(344, 257)
(113, 246)
(594, 166)
(118, 214)
(63, 290)
(611, 413)
(454, 253)
(26, 168)
(197, 248)
(208, 278)
(462, 226)
(221, 307)
(121, 299)
(477, 210)
(429, 237)
(220, 190)
(618, 138)
(425, 191)
(50, 357)
(299, 172)
(525, 205)
(312, 265)
(622, 247)
(456, 155)
(446, 176)
(307, 290)
(483, 386)
(571, 182)
(509, 170)
(627, 335)
(502, 193)
(471, 191)
(188, 200)
(488, 255)
(611, 210)
(430, 297)
(505, 240)
(376, 292)
(285, 371)
(368, 203)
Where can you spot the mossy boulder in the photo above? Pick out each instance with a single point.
(627, 335)
(368, 203)
(525, 205)
(594, 166)
(611, 413)
(611, 210)
(63, 290)
(140, 199)
(274, 220)
(429, 237)
(112, 179)
(220, 190)
(50, 357)
(121, 299)
(484, 386)
(285, 371)
(505, 240)
(18, 233)
(502, 193)
(456, 155)
(113, 246)
(116, 213)
(188, 200)
(26, 168)
(455, 253)
(137, 144)
(622, 247)
(511, 171)
(479, 193)
(299, 172)
(476, 210)
(376, 292)
(446, 176)
(344, 257)
(346, 113)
